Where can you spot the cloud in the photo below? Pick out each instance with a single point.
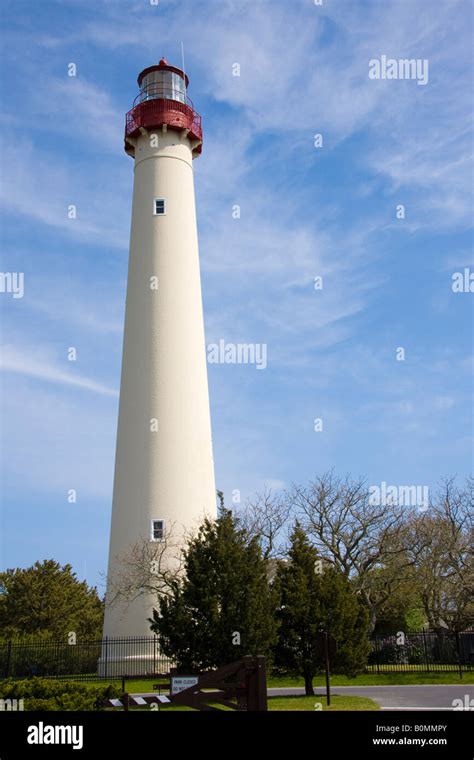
(82, 110)
(56, 442)
(89, 311)
(34, 363)
(41, 187)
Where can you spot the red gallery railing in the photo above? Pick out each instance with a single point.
(152, 109)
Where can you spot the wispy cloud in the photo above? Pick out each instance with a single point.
(32, 363)
(42, 188)
(82, 110)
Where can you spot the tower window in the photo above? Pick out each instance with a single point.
(157, 530)
(159, 206)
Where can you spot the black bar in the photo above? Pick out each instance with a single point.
(459, 654)
(426, 652)
(350, 732)
(326, 663)
(9, 656)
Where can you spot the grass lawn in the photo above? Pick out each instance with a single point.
(306, 704)
(310, 703)
(367, 679)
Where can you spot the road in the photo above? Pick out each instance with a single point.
(422, 697)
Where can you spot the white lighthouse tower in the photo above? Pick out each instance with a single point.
(164, 471)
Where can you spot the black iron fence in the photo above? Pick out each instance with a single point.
(107, 659)
(114, 659)
(427, 652)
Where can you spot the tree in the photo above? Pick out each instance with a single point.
(223, 606)
(356, 535)
(265, 517)
(48, 599)
(147, 567)
(403, 610)
(317, 597)
(441, 544)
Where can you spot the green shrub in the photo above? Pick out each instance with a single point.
(48, 694)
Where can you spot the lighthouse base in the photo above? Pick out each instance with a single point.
(131, 657)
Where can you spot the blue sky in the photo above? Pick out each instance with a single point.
(305, 212)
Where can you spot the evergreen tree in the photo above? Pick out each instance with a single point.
(316, 597)
(47, 599)
(222, 599)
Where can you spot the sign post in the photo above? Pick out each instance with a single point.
(326, 662)
(326, 648)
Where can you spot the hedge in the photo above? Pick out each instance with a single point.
(48, 694)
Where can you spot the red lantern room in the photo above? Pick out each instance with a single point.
(163, 103)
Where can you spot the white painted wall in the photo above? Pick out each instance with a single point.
(167, 474)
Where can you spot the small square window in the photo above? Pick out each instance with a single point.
(157, 530)
(159, 206)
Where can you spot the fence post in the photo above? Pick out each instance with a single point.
(9, 657)
(425, 648)
(376, 639)
(458, 647)
(106, 653)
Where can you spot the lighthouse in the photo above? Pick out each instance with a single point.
(164, 470)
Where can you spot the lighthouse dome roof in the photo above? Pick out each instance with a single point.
(163, 65)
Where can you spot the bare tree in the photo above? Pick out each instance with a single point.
(440, 542)
(362, 538)
(266, 516)
(148, 567)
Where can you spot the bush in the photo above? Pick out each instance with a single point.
(48, 694)
(351, 660)
(391, 653)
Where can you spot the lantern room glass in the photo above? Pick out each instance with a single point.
(163, 84)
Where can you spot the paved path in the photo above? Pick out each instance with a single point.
(424, 697)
